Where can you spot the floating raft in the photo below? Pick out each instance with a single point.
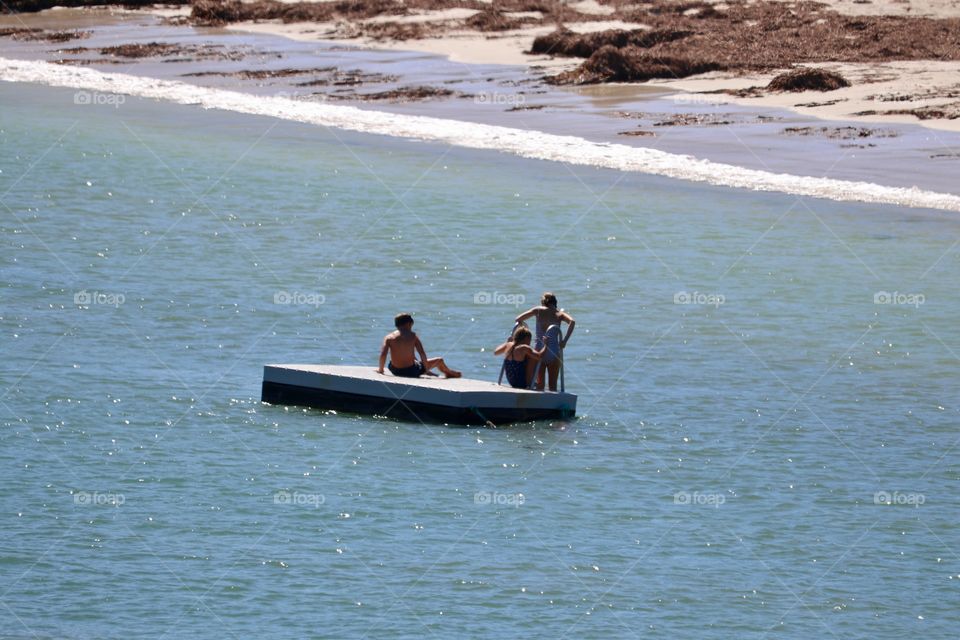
(425, 399)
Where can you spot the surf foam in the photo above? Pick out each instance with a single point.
(524, 143)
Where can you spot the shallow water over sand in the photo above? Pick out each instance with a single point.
(758, 376)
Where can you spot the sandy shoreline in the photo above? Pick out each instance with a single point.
(922, 92)
(471, 78)
(876, 88)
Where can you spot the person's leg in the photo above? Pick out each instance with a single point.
(539, 384)
(531, 368)
(440, 364)
(540, 376)
(553, 369)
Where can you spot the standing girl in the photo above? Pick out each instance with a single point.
(548, 315)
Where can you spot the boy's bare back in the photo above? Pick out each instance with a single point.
(403, 346)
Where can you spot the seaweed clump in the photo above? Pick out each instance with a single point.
(808, 79)
(220, 12)
(494, 20)
(400, 94)
(564, 42)
(632, 64)
(30, 33)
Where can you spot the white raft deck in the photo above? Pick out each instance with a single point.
(424, 399)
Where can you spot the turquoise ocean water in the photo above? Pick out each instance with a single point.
(767, 435)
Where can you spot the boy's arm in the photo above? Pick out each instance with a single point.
(423, 354)
(383, 354)
(571, 324)
(502, 348)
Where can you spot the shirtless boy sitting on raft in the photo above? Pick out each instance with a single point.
(401, 345)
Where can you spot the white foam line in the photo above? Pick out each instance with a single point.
(525, 143)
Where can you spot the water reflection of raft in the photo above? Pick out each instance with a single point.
(426, 399)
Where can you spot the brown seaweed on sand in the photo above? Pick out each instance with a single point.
(746, 37)
(841, 133)
(687, 119)
(949, 111)
(808, 79)
(687, 35)
(145, 50)
(825, 103)
(401, 94)
(387, 31)
(495, 20)
(219, 12)
(929, 94)
(27, 33)
(631, 64)
(350, 78)
(940, 112)
(564, 42)
(169, 51)
(260, 74)
(19, 33)
(84, 62)
(326, 76)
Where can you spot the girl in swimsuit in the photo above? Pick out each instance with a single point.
(547, 314)
(520, 358)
